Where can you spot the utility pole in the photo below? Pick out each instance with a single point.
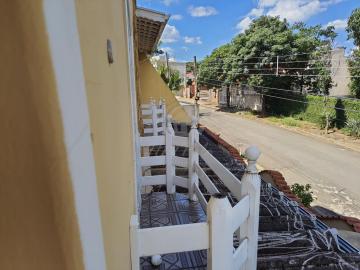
(196, 91)
(167, 66)
(196, 82)
(277, 65)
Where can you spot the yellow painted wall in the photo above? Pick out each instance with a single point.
(153, 86)
(108, 96)
(38, 225)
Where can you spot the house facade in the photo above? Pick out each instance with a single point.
(78, 93)
(73, 75)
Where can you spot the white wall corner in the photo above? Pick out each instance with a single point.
(131, 64)
(61, 25)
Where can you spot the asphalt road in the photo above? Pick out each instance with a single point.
(333, 171)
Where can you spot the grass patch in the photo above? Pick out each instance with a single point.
(286, 121)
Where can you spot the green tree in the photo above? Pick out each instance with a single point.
(353, 30)
(189, 67)
(213, 68)
(304, 193)
(251, 58)
(174, 81)
(353, 27)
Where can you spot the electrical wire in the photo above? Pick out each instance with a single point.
(265, 87)
(280, 56)
(286, 75)
(280, 62)
(295, 100)
(278, 89)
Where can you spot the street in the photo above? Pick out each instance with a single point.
(333, 171)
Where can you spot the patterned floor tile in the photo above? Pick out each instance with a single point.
(160, 209)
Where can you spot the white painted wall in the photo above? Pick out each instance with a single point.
(133, 99)
(65, 52)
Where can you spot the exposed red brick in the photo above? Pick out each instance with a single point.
(351, 219)
(231, 149)
(357, 227)
(282, 185)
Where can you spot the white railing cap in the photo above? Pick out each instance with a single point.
(252, 154)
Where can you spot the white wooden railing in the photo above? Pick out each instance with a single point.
(223, 220)
(154, 114)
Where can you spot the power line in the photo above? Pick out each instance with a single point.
(285, 75)
(264, 87)
(289, 62)
(282, 62)
(282, 56)
(288, 90)
(290, 68)
(302, 102)
(276, 89)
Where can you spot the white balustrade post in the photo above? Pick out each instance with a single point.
(250, 185)
(220, 254)
(154, 118)
(193, 159)
(134, 243)
(170, 154)
(163, 117)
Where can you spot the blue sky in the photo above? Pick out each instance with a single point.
(198, 27)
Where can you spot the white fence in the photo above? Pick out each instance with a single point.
(154, 115)
(223, 220)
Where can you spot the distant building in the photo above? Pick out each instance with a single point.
(339, 73)
(158, 61)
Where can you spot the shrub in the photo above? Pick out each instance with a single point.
(322, 121)
(304, 193)
(353, 125)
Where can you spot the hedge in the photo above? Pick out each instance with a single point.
(312, 108)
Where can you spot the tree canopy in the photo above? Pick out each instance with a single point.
(353, 27)
(174, 81)
(353, 30)
(300, 55)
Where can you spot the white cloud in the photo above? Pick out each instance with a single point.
(169, 50)
(185, 48)
(176, 17)
(296, 10)
(257, 12)
(338, 24)
(168, 2)
(292, 10)
(192, 40)
(267, 3)
(244, 24)
(202, 11)
(170, 34)
(162, 58)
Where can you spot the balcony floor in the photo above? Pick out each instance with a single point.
(287, 239)
(161, 209)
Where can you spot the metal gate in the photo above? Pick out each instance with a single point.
(227, 94)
